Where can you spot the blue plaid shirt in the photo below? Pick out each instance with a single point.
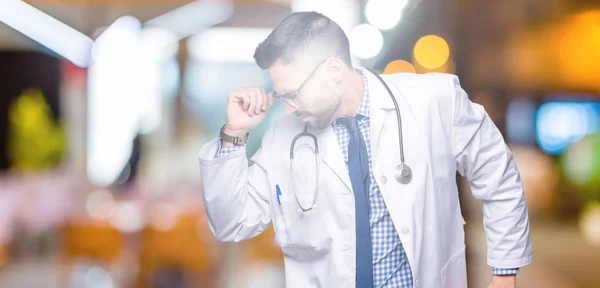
(390, 264)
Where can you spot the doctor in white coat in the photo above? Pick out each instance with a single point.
(336, 229)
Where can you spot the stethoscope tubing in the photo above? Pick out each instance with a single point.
(403, 179)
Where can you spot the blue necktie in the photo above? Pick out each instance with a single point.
(358, 164)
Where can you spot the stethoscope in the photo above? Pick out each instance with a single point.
(402, 173)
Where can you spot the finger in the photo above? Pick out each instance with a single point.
(240, 98)
(260, 101)
(265, 103)
(235, 97)
(252, 107)
(245, 101)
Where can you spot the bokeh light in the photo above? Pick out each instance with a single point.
(384, 14)
(589, 224)
(560, 124)
(538, 175)
(520, 121)
(581, 163)
(366, 41)
(399, 66)
(127, 217)
(431, 51)
(100, 204)
(345, 13)
(97, 277)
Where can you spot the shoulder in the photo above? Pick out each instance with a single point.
(429, 82)
(423, 89)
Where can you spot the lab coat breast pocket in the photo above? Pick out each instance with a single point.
(301, 235)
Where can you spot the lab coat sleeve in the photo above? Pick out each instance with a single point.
(484, 159)
(235, 193)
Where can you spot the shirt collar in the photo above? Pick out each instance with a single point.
(363, 108)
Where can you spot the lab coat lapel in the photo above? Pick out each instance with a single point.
(384, 128)
(404, 202)
(332, 155)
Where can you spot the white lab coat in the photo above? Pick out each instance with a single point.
(443, 132)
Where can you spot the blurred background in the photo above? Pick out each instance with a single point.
(105, 104)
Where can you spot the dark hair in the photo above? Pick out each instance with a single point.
(304, 32)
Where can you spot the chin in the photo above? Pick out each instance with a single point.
(319, 125)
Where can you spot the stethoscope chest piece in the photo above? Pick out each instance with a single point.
(403, 174)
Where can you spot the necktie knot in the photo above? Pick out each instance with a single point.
(350, 123)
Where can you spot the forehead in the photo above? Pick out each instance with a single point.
(287, 77)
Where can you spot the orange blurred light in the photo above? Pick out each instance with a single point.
(399, 66)
(2, 255)
(560, 55)
(448, 67)
(431, 52)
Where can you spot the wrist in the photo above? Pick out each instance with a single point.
(235, 132)
(504, 281)
(233, 137)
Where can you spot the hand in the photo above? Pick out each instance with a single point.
(508, 281)
(246, 108)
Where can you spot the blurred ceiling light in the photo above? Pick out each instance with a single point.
(431, 51)
(159, 43)
(224, 45)
(125, 28)
(384, 14)
(345, 13)
(126, 22)
(113, 108)
(399, 66)
(366, 41)
(191, 18)
(46, 30)
(125, 95)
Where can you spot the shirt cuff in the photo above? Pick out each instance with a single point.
(504, 271)
(224, 151)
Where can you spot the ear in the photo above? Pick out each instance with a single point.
(335, 69)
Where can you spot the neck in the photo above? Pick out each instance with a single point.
(352, 95)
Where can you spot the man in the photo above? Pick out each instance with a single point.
(360, 227)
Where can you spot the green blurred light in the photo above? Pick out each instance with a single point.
(581, 164)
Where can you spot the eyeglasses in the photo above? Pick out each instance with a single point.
(289, 97)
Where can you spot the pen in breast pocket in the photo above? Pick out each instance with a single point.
(278, 194)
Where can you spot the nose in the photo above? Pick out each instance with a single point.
(289, 109)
